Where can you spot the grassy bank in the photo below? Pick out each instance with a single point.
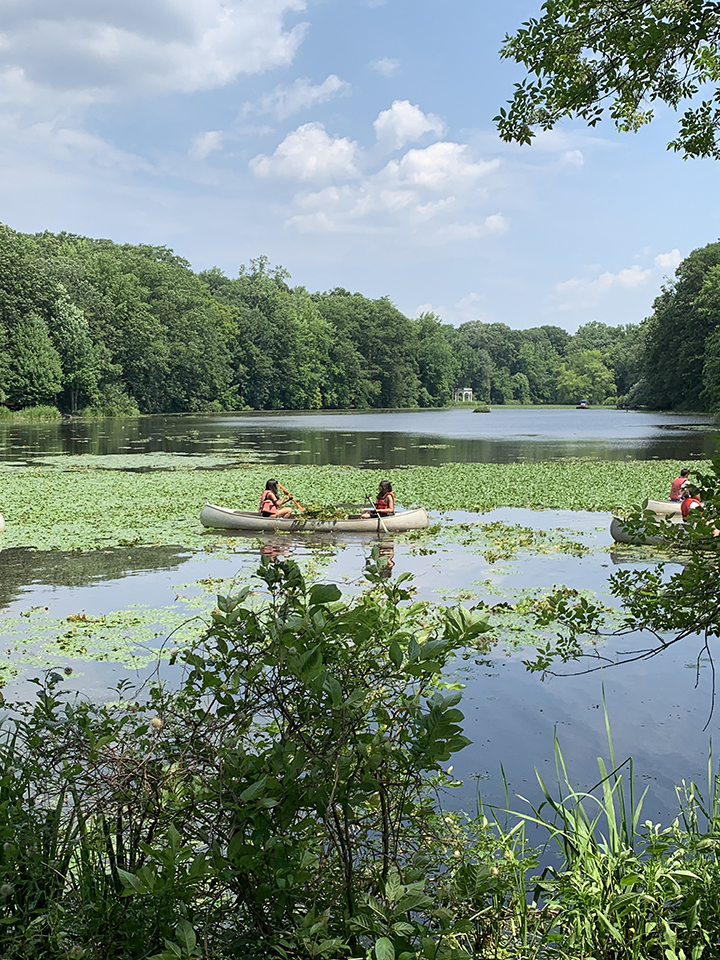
(71, 507)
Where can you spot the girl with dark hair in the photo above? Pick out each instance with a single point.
(271, 505)
(385, 503)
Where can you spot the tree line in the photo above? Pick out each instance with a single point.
(90, 325)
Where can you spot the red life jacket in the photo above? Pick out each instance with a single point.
(676, 488)
(382, 502)
(688, 504)
(266, 504)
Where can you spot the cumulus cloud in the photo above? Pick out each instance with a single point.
(441, 166)
(284, 101)
(387, 66)
(206, 143)
(574, 157)
(582, 292)
(496, 223)
(403, 123)
(424, 190)
(309, 153)
(95, 50)
(668, 261)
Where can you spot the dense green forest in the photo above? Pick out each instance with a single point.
(90, 325)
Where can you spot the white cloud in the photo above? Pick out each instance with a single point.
(574, 157)
(206, 143)
(309, 153)
(441, 166)
(284, 101)
(467, 308)
(84, 51)
(422, 191)
(582, 292)
(496, 223)
(387, 66)
(404, 122)
(668, 261)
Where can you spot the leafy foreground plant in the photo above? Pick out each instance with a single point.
(280, 801)
(276, 804)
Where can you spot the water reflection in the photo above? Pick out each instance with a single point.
(21, 567)
(374, 439)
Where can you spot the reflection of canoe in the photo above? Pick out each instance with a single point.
(663, 510)
(227, 519)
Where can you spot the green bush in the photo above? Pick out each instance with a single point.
(42, 411)
(281, 800)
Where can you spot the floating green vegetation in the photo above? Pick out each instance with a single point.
(85, 509)
(133, 637)
(496, 540)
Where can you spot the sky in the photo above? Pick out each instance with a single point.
(351, 142)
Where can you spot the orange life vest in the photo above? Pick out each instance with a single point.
(266, 504)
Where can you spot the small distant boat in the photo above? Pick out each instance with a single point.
(2, 524)
(224, 518)
(666, 510)
(583, 405)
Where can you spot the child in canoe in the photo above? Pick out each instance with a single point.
(271, 505)
(385, 503)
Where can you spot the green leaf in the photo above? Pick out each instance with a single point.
(384, 950)
(186, 935)
(254, 790)
(324, 593)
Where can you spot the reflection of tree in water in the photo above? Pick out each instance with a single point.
(22, 566)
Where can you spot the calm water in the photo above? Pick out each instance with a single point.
(657, 713)
(368, 439)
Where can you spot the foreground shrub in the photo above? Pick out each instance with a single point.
(279, 798)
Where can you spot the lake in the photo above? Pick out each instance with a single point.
(106, 613)
(374, 439)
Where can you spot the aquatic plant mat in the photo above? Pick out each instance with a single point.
(78, 506)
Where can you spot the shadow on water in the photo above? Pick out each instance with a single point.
(21, 567)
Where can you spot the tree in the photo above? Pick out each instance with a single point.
(78, 355)
(684, 316)
(584, 376)
(586, 56)
(35, 373)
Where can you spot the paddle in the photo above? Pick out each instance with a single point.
(381, 522)
(297, 503)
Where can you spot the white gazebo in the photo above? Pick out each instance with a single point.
(464, 395)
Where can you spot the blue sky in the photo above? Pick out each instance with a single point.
(350, 141)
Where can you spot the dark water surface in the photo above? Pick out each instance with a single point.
(658, 715)
(376, 439)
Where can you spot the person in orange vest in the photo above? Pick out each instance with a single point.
(385, 503)
(271, 505)
(690, 501)
(678, 484)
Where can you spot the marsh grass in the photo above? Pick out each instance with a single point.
(40, 412)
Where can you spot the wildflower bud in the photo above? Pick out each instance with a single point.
(157, 723)
(5, 889)
(494, 871)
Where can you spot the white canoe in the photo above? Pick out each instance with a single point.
(663, 509)
(226, 519)
(2, 523)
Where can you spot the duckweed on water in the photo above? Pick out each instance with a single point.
(84, 509)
